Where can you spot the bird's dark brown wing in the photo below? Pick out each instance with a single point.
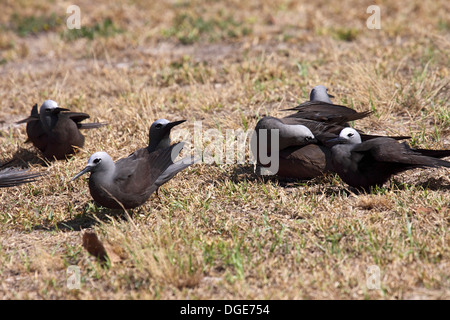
(324, 131)
(357, 165)
(321, 106)
(389, 150)
(316, 127)
(433, 153)
(77, 117)
(327, 112)
(365, 137)
(138, 173)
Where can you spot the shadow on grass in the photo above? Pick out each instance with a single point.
(92, 215)
(23, 158)
(434, 184)
(239, 173)
(247, 172)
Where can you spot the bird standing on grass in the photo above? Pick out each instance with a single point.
(129, 182)
(55, 131)
(365, 164)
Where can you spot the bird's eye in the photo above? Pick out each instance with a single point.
(159, 125)
(97, 160)
(350, 134)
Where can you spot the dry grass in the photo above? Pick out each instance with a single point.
(218, 231)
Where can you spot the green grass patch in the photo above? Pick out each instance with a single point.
(345, 34)
(339, 33)
(33, 25)
(105, 28)
(189, 29)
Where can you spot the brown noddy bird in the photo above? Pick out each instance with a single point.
(55, 131)
(129, 182)
(364, 164)
(13, 177)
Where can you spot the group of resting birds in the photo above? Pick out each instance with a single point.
(315, 140)
(124, 184)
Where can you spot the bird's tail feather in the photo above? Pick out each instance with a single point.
(365, 137)
(33, 116)
(433, 153)
(14, 177)
(358, 115)
(92, 125)
(173, 169)
(26, 120)
(422, 160)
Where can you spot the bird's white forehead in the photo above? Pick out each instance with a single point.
(49, 104)
(101, 154)
(320, 88)
(302, 130)
(161, 121)
(344, 133)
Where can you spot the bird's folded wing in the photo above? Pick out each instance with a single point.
(316, 127)
(322, 106)
(365, 137)
(327, 112)
(389, 150)
(140, 170)
(77, 116)
(433, 153)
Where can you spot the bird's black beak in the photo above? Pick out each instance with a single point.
(330, 95)
(170, 125)
(337, 140)
(58, 110)
(85, 170)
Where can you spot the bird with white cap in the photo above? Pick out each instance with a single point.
(365, 164)
(55, 131)
(129, 182)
